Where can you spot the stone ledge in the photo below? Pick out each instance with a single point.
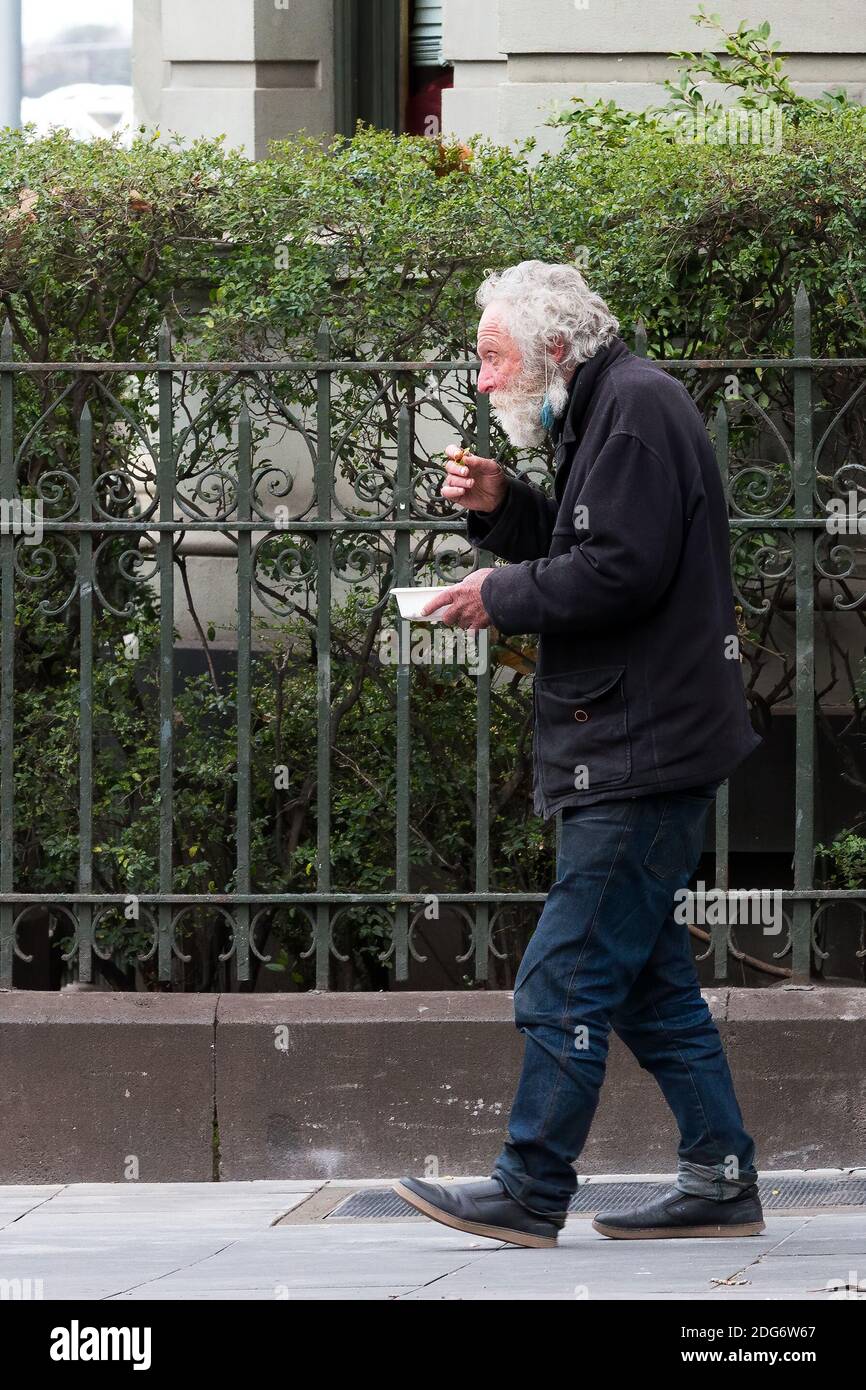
(318, 1086)
(399, 1006)
(787, 1004)
(96, 1086)
(92, 1006)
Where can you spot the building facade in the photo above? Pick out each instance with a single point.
(258, 70)
(516, 61)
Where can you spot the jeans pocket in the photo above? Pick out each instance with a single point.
(679, 839)
(581, 730)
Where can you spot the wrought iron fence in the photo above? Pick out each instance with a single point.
(94, 509)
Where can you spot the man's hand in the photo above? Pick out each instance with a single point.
(474, 483)
(460, 605)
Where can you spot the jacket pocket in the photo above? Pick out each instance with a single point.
(581, 730)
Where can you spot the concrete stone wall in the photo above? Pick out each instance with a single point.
(96, 1087)
(515, 61)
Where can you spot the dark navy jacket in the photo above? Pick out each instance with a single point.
(625, 574)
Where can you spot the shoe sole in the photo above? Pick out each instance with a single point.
(745, 1228)
(474, 1228)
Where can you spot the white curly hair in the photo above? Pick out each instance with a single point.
(545, 303)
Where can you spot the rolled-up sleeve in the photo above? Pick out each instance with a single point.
(625, 552)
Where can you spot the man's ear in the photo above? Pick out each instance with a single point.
(557, 349)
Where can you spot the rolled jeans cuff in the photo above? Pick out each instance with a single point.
(712, 1180)
(510, 1183)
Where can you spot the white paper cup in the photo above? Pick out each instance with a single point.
(411, 601)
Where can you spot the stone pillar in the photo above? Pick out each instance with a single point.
(253, 70)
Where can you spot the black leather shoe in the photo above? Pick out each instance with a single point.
(483, 1208)
(680, 1214)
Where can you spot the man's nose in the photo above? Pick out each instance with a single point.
(486, 378)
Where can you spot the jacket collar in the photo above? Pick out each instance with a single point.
(567, 428)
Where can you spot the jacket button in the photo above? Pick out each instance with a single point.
(581, 716)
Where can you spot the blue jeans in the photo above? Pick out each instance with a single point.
(609, 952)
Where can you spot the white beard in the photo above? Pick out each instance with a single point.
(518, 409)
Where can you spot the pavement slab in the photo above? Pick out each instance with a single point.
(255, 1241)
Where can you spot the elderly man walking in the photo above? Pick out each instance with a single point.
(639, 714)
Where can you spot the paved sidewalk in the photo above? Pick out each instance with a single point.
(274, 1241)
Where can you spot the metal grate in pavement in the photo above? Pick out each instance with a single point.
(777, 1194)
